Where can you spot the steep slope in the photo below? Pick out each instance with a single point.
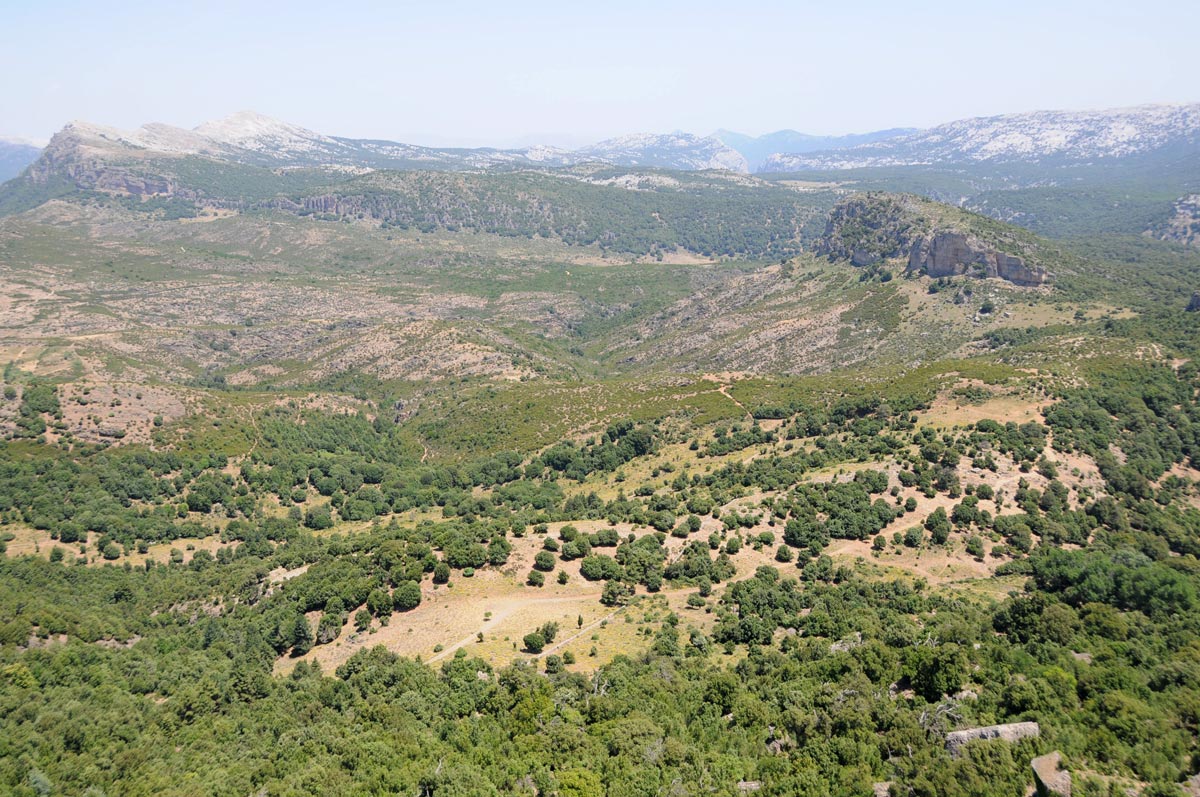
(1045, 137)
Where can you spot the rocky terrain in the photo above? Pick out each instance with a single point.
(1038, 137)
(673, 151)
(252, 139)
(1042, 137)
(933, 240)
(722, 484)
(950, 254)
(1183, 226)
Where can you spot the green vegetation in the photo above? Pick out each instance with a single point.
(673, 527)
(1126, 598)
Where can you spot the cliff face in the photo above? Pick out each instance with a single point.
(932, 239)
(948, 254)
(73, 157)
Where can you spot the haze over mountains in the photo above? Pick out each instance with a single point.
(15, 155)
(1022, 137)
(251, 138)
(1133, 170)
(1063, 137)
(759, 149)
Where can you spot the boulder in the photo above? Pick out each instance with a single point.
(1012, 732)
(1049, 778)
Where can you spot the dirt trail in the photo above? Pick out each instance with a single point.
(580, 632)
(723, 388)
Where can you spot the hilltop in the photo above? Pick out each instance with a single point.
(933, 239)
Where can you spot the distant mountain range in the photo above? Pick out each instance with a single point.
(1128, 167)
(1038, 137)
(757, 149)
(15, 155)
(252, 139)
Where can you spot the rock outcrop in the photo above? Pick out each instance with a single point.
(70, 156)
(1012, 732)
(1183, 226)
(1194, 304)
(937, 240)
(1049, 778)
(950, 254)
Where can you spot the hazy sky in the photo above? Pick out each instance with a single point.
(500, 73)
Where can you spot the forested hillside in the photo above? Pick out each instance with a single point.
(590, 481)
(791, 666)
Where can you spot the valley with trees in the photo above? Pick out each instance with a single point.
(372, 477)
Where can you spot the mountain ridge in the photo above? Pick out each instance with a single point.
(1030, 137)
(756, 149)
(251, 138)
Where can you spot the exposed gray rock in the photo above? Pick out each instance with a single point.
(1039, 137)
(1049, 777)
(870, 228)
(950, 254)
(1011, 732)
(861, 257)
(1194, 304)
(1183, 227)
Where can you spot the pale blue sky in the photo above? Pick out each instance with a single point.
(474, 73)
